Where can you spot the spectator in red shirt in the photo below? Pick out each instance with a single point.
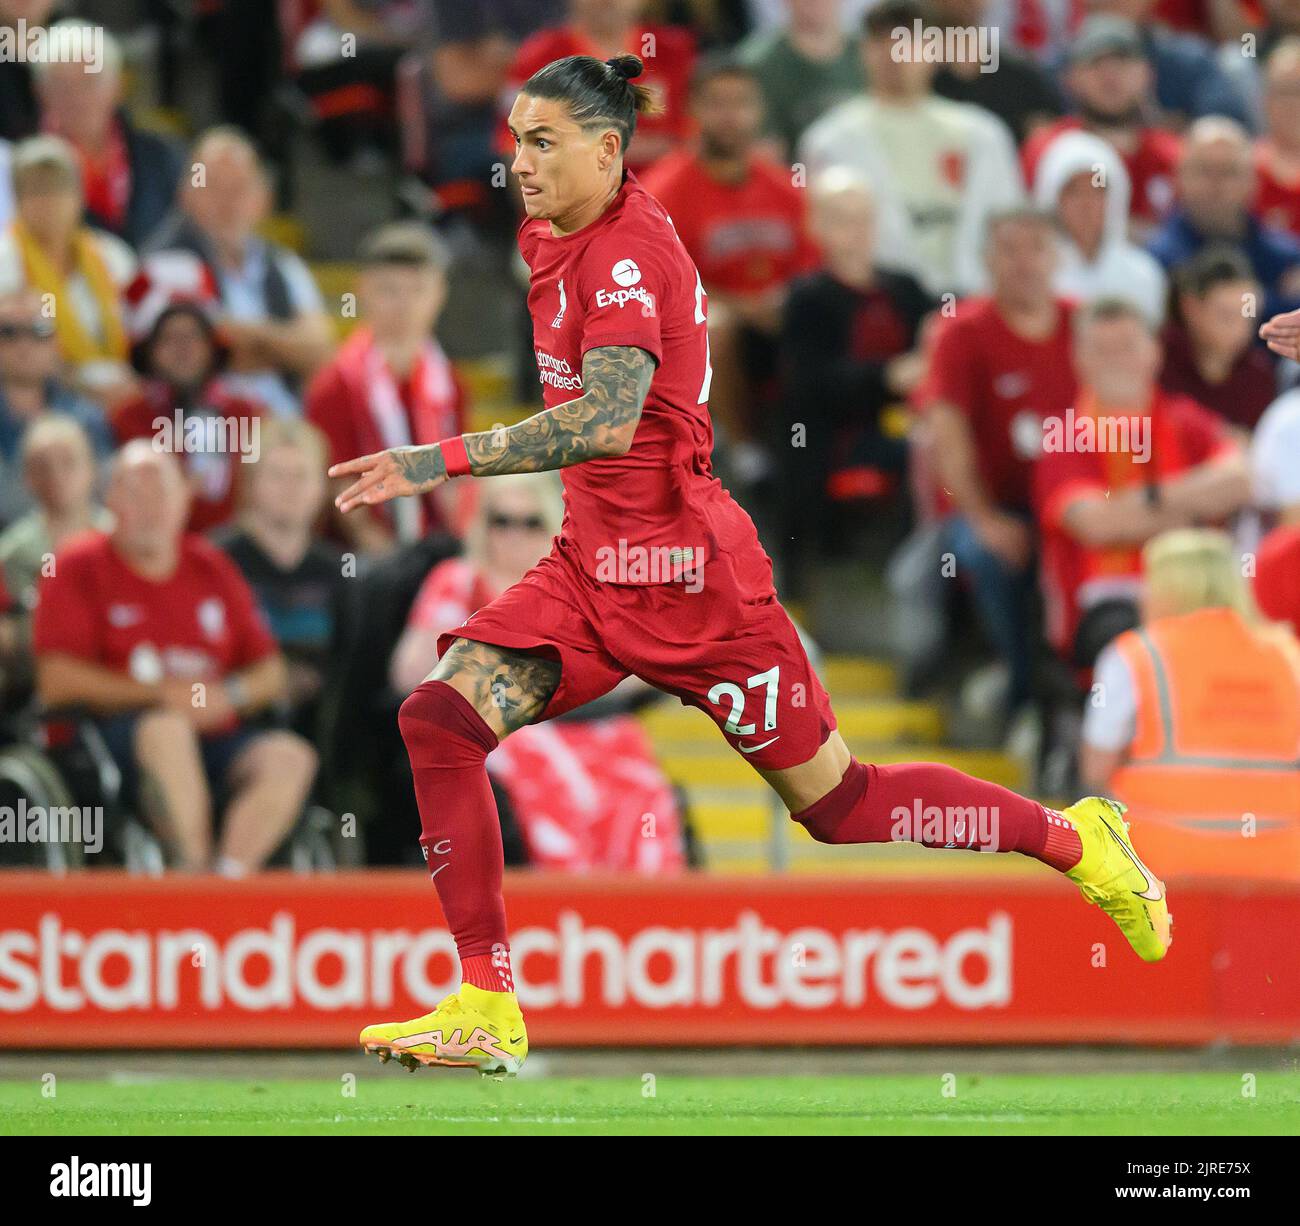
(1125, 462)
(1210, 350)
(391, 385)
(999, 366)
(155, 633)
(604, 29)
(743, 222)
(1277, 151)
(1109, 80)
(185, 407)
(1275, 465)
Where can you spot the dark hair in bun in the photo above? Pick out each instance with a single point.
(598, 94)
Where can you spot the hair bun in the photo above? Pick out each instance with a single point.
(627, 66)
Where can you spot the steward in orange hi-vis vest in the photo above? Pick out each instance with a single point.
(1217, 744)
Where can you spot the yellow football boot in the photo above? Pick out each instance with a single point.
(472, 1029)
(1111, 875)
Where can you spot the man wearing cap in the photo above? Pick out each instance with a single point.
(1109, 81)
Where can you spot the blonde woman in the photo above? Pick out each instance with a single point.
(1194, 718)
(79, 273)
(579, 787)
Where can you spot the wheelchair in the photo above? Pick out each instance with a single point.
(60, 762)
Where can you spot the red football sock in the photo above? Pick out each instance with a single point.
(937, 806)
(448, 744)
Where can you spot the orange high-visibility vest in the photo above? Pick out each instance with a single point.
(1217, 749)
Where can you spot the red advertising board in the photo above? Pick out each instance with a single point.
(107, 960)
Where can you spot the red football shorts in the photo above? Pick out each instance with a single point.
(717, 643)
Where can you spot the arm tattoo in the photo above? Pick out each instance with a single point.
(421, 464)
(507, 688)
(615, 380)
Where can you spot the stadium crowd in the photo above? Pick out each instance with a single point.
(999, 305)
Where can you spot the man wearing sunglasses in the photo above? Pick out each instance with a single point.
(30, 388)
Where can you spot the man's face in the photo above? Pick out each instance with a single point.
(516, 533)
(814, 14)
(1282, 98)
(49, 208)
(1222, 319)
(1111, 84)
(729, 111)
(605, 14)
(560, 165)
(234, 197)
(1081, 207)
(288, 486)
(61, 473)
(844, 226)
(905, 78)
(76, 101)
(1216, 182)
(28, 353)
(1118, 359)
(398, 301)
(150, 502)
(182, 352)
(1021, 259)
(33, 12)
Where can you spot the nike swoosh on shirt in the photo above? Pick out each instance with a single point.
(756, 748)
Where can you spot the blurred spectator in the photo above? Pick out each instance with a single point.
(19, 109)
(449, 98)
(939, 168)
(391, 385)
(273, 314)
(765, 16)
(1189, 82)
(1124, 463)
(1216, 184)
(346, 58)
(999, 367)
(156, 635)
(1108, 78)
(83, 271)
(743, 222)
(296, 578)
(1243, 63)
(1016, 88)
(805, 66)
(849, 350)
(30, 391)
(1082, 181)
(1277, 151)
(1210, 349)
(605, 28)
(580, 787)
(185, 407)
(59, 470)
(128, 176)
(6, 185)
(1198, 719)
(1275, 472)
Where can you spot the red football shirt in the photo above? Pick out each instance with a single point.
(1181, 435)
(201, 624)
(668, 59)
(626, 279)
(1005, 385)
(1277, 575)
(744, 237)
(1151, 166)
(214, 469)
(1277, 200)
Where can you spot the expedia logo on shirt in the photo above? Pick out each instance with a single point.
(621, 297)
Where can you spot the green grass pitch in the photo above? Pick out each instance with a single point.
(462, 1103)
